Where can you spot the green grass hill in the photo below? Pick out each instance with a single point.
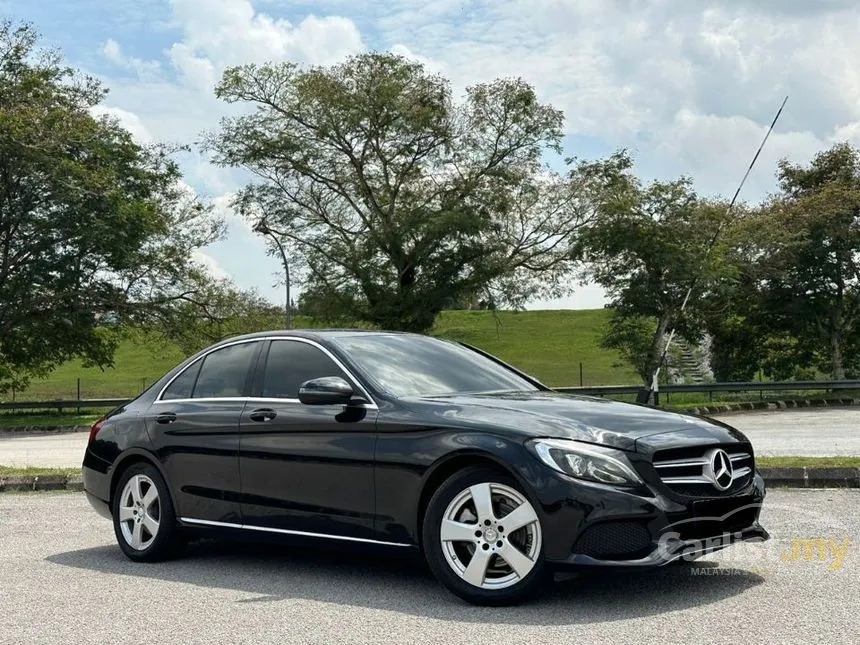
(548, 344)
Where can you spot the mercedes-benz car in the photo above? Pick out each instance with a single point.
(409, 442)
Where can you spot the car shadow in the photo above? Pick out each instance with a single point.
(269, 573)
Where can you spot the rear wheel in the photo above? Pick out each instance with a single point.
(483, 540)
(143, 517)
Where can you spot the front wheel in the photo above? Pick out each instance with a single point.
(482, 539)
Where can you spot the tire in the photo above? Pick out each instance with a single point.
(144, 521)
(473, 531)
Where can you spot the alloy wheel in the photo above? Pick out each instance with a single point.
(139, 512)
(490, 536)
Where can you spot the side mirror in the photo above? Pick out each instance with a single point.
(328, 390)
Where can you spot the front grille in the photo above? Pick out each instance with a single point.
(690, 472)
(614, 541)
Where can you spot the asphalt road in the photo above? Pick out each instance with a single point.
(819, 432)
(48, 450)
(63, 580)
(816, 432)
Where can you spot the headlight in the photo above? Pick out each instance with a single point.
(587, 461)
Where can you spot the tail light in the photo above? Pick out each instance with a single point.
(94, 430)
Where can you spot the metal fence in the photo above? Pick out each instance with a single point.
(79, 389)
(710, 388)
(600, 390)
(60, 406)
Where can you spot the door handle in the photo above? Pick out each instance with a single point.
(263, 414)
(165, 417)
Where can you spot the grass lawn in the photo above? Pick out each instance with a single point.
(548, 344)
(86, 418)
(135, 367)
(808, 462)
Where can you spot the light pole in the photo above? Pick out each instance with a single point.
(262, 227)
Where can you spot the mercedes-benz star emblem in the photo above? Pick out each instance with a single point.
(719, 469)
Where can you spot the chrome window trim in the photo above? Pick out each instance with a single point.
(207, 399)
(202, 357)
(368, 406)
(266, 529)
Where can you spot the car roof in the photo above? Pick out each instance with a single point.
(314, 334)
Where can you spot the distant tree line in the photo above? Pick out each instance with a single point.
(396, 200)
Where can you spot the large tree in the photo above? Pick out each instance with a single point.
(748, 335)
(397, 201)
(649, 246)
(810, 265)
(95, 230)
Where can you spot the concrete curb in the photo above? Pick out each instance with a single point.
(26, 483)
(706, 410)
(831, 477)
(774, 477)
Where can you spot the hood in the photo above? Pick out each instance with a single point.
(601, 421)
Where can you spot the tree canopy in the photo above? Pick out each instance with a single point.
(648, 247)
(799, 300)
(395, 200)
(95, 230)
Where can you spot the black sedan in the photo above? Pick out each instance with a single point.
(408, 442)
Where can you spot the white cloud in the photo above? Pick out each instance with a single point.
(689, 86)
(849, 132)
(222, 208)
(143, 69)
(128, 120)
(429, 64)
(113, 52)
(208, 263)
(196, 71)
(231, 32)
(175, 102)
(718, 150)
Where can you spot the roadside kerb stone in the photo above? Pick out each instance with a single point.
(75, 483)
(746, 406)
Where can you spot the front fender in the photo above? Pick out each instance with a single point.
(410, 466)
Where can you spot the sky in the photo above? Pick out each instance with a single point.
(689, 87)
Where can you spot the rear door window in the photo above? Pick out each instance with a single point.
(183, 385)
(225, 371)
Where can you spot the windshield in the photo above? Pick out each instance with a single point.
(420, 366)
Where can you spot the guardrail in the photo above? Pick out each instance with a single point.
(598, 390)
(710, 388)
(78, 404)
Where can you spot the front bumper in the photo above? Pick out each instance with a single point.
(591, 525)
(669, 549)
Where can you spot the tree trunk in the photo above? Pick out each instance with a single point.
(655, 352)
(837, 368)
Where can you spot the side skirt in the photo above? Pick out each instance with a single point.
(265, 529)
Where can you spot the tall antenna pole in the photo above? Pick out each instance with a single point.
(649, 393)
